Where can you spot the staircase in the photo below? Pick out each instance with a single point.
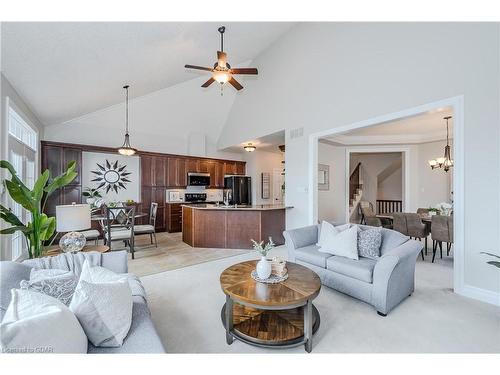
(355, 190)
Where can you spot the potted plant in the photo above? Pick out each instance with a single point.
(92, 195)
(433, 211)
(41, 227)
(263, 265)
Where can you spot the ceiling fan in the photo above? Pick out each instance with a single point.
(222, 71)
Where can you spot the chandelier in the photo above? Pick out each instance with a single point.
(445, 162)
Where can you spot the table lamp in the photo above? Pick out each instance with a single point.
(70, 218)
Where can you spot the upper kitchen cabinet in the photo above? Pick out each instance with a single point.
(240, 168)
(192, 165)
(203, 166)
(176, 176)
(153, 170)
(229, 168)
(219, 174)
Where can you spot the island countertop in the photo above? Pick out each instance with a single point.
(211, 226)
(260, 207)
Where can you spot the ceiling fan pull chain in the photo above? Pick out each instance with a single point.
(221, 90)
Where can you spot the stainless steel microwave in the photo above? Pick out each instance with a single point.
(198, 179)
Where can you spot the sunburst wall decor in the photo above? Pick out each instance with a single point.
(111, 176)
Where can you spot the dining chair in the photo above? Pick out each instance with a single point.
(368, 216)
(373, 221)
(450, 235)
(417, 229)
(119, 226)
(149, 228)
(400, 225)
(422, 211)
(91, 235)
(440, 232)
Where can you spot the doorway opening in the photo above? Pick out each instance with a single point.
(419, 136)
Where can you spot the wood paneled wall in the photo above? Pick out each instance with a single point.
(159, 172)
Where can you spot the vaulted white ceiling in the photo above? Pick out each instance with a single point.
(65, 70)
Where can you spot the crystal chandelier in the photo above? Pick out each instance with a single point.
(445, 162)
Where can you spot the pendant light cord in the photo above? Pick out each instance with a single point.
(126, 109)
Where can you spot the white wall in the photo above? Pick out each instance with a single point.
(183, 119)
(7, 91)
(392, 187)
(332, 203)
(262, 162)
(434, 185)
(371, 69)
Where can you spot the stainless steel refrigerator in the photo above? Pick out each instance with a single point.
(241, 189)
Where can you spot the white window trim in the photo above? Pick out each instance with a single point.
(8, 105)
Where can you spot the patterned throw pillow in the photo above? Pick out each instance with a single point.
(60, 285)
(369, 241)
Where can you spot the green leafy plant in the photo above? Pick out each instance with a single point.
(92, 193)
(41, 227)
(433, 209)
(493, 262)
(263, 250)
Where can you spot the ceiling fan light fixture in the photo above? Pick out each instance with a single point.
(250, 148)
(221, 76)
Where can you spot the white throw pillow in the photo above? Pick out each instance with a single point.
(37, 323)
(102, 302)
(344, 243)
(328, 231)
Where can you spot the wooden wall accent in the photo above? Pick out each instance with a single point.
(159, 172)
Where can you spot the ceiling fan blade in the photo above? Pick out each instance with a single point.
(244, 71)
(235, 84)
(221, 58)
(198, 67)
(208, 83)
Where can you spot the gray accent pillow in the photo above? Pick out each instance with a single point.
(369, 241)
(59, 284)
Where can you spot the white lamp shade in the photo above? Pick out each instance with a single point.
(72, 217)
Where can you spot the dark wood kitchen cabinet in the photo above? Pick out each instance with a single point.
(173, 213)
(159, 172)
(192, 165)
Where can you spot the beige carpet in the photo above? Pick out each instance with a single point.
(170, 254)
(186, 303)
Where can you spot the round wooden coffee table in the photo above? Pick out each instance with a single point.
(270, 315)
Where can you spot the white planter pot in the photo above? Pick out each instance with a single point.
(263, 268)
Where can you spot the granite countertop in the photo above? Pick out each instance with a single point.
(261, 207)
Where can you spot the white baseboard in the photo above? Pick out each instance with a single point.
(480, 294)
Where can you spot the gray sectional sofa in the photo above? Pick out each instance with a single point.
(383, 282)
(142, 336)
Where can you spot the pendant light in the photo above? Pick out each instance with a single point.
(126, 149)
(445, 162)
(249, 148)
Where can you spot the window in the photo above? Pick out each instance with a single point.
(22, 146)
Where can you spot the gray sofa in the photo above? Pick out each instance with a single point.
(383, 283)
(142, 336)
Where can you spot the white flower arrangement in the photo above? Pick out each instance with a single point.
(444, 208)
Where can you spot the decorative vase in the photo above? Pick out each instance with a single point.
(263, 268)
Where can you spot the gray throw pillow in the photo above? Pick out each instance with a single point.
(60, 285)
(369, 241)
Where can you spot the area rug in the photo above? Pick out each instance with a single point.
(170, 254)
(186, 304)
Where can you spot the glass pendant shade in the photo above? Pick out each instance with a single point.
(221, 76)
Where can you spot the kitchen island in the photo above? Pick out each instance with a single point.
(232, 227)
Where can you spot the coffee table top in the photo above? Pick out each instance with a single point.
(302, 285)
